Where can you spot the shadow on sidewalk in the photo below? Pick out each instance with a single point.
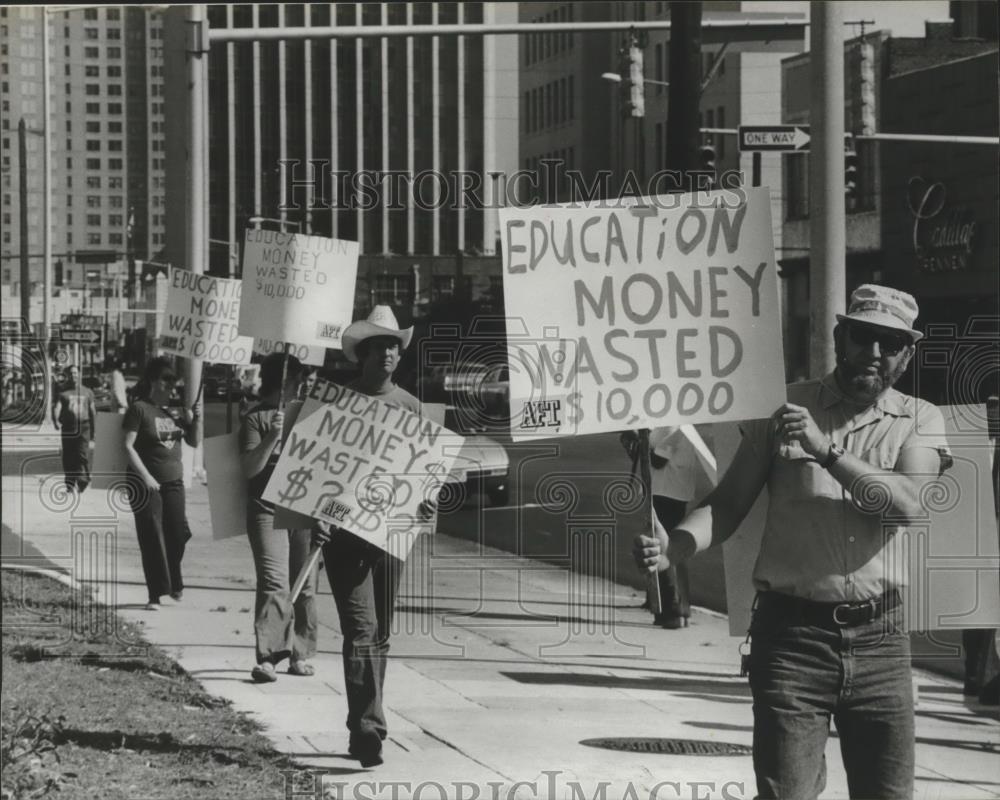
(656, 682)
(14, 549)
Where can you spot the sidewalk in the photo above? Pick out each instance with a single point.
(496, 677)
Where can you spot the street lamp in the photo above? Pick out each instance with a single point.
(614, 77)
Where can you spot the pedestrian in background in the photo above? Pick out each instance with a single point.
(154, 431)
(74, 415)
(364, 578)
(119, 389)
(281, 629)
(677, 478)
(827, 635)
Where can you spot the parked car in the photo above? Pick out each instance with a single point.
(481, 468)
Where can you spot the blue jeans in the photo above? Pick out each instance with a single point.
(280, 628)
(364, 581)
(802, 675)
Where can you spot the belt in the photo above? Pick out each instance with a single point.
(831, 615)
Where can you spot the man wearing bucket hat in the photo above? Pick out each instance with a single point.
(845, 461)
(364, 578)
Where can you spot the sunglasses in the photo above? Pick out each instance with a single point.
(889, 344)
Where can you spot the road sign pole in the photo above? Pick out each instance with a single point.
(755, 175)
(827, 207)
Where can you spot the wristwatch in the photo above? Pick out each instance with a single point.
(833, 455)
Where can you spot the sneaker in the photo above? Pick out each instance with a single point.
(153, 605)
(177, 596)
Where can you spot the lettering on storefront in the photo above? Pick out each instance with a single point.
(943, 236)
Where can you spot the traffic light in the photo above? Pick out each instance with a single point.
(707, 154)
(850, 171)
(633, 88)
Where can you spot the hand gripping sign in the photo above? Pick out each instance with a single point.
(660, 312)
(297, 288)
(201, 319)
(361, 464)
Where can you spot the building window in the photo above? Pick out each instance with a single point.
(93, 238)
(91, 71)
(93, 145)
(93, 163)
(114, 238)
(92, 89)
(114, 183)
(114, 34)
(115, 220)
(91, 33)
(94, 220)
(114, 127)
(115, 145)
(114, 90)
(114, 108)
(93, 126)
(93, 201)
(114, 163)
(114, 71)
(91, 52)
(90, 14)
(115, 201)
(93, 108)
(112, 15)
(93, 181)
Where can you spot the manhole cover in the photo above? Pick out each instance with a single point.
(671, 747)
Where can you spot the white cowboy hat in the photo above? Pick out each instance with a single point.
(885, 307)
(381, 322)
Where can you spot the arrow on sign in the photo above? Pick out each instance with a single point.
(80, 335)
(774, 138)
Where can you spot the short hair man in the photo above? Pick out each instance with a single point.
(827, 634)
(363, 578)
(74, 415)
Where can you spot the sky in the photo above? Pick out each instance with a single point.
(901, 17)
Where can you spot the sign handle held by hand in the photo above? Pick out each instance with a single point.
(303, 575)
(645, 475)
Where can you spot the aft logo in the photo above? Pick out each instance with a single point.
(327, 330)
(542, 414)
(335, 511)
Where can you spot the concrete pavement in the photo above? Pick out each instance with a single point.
(509, 678)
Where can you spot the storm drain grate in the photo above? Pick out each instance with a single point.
(671, 747)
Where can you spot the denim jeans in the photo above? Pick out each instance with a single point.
(76, 459)
(162, 529)
(281, 630)
(364, 581)
(802, 675)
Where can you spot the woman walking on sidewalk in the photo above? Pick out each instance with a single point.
(282, 630)
(153, 434)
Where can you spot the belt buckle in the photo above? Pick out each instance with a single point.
(871, 609)
(836, 619)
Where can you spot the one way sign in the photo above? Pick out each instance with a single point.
(774, 138)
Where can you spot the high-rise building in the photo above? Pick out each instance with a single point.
(106, 169)
(364, 139)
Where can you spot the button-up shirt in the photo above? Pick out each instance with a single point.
(819, 541)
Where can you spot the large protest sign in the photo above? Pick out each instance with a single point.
(297, 288)
(950, 557)
(663, 312)
(201, 319)
(361, 464)
(307, 354)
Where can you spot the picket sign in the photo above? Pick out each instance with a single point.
(201, 319)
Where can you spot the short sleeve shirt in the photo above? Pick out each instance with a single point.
(256, 425)
(158, 440)
(683, 477)
(74, 410)
(819, 541)
(395, 396)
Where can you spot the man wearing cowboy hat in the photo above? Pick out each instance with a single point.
(364, 578)
(845, 462)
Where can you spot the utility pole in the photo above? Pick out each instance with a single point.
(22, 154)
(684, 94)
(827, 205)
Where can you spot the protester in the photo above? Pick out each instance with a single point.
(282, 630)
(119, 389)
(153, 434)
(677, 478)
(845, 467)
(74, 415)
(249, 390)
(364, 578)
